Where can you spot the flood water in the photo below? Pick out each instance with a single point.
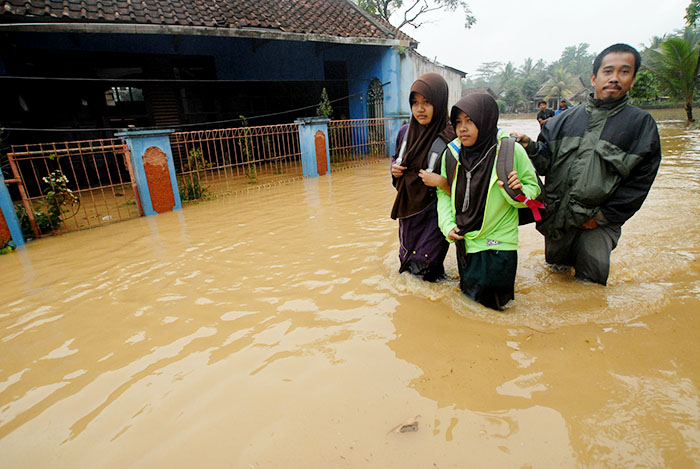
(271, 329)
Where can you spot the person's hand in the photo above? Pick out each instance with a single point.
(522, 139)
(397, 170)
(590, 224)
(453, 235)
(432, 179)
(513, 181)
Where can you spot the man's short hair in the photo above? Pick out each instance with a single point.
(541, 102)
(620, 48)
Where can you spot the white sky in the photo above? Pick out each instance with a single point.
(513, 30)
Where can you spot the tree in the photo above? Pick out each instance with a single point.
(488, 71)
(692, 16)
(504, 77)
(576, 60)
(413, 10)
(675, 65)
(645, 89)
(560, 83)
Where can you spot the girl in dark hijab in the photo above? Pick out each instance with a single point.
(419, 145)
(476, 212)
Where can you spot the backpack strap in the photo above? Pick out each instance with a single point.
(451, 163)
(436, 150)
(504, 166)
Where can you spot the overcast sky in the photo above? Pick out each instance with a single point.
(512, 30)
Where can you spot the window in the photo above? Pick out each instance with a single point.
(122, 94)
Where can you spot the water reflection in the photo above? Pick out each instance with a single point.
(274, 323)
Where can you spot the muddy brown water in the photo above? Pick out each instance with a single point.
(271, 329)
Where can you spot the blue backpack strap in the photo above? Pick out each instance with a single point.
(451, 163)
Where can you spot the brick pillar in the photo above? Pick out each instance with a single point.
(9, 224)
(154, 170)
(309, 136)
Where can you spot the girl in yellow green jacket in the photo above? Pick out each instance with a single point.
(478, 214)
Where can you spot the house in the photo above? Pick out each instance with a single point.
(80, 69)
(452, 76)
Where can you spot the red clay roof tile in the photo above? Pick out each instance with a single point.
(327, 17)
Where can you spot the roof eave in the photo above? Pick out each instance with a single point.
(130, 28)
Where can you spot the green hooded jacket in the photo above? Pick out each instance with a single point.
(599, 161)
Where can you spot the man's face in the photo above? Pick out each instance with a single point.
(562, 105)
(615, 76)
(542, 106)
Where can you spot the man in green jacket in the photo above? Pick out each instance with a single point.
(599, 161)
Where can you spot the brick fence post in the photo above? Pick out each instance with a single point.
(313, 138)
(154, 169)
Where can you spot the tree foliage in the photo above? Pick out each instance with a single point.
(675, 65)
(415, 12)
(692, 16)
(559, 83)
(576, 60)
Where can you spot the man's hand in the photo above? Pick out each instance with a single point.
(397, 170)
(453, 235)
(590, 224)
(522, 139)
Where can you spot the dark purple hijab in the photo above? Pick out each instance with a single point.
(412, 196)
(478, 160)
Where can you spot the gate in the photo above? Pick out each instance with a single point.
(69, 186)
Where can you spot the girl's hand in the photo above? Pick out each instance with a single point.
(513, 181)
(454, 236)
(432, 179)
(397, 170)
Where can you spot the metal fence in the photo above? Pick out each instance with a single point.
(209, 163)
(68, 186)
(357, 141)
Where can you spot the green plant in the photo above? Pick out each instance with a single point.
(57, 196)
(324, 108)
(246, 146)
(6, 246)
(42, 220)
(271, 154)
(190, 186)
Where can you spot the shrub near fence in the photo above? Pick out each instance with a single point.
(210, 163)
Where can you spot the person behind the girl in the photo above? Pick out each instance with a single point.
(479, 215)
(422, 246)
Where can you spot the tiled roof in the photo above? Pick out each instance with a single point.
(321, 17)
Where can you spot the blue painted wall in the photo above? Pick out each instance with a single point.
(247, 59)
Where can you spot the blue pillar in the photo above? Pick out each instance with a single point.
(142, 143)
(308, 128)
(8, 212)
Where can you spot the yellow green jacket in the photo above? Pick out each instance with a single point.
(499, 230)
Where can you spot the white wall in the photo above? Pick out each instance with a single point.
(422, 65)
